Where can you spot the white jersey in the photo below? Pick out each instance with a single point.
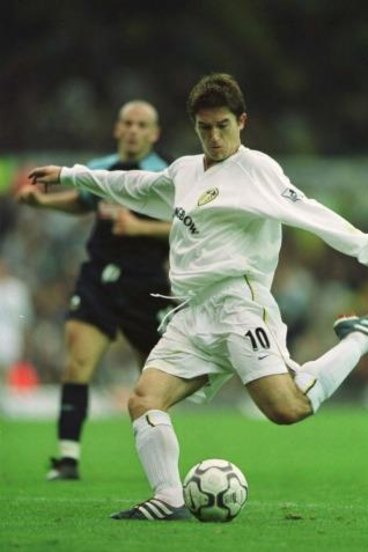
(227, 220)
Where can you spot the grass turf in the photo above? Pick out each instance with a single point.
(308, 486)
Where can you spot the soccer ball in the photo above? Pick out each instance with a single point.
(215, 490)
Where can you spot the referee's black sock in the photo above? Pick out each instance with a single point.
(73, 412)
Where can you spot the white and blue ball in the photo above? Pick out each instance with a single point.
(215, 490)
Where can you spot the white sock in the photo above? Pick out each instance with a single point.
(320, 378)
(158, 450)
(69, 449)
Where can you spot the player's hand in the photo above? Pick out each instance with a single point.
(50, 174)
(30, 195)
(126, 223)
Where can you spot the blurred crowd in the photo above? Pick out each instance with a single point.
(301, 65)
(40, 255)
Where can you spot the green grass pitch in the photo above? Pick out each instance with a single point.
(308, 486)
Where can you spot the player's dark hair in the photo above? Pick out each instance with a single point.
(216, 90)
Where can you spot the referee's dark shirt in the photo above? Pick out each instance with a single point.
(135, 255)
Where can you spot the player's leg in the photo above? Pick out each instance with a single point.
(280, 400)
(287, 400)
(256, 358)
(85, 346)
(320, 378)
(157, 444)
(257, 351)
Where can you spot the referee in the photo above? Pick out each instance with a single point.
(127, 258)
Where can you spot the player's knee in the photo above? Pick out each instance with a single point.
(283, 418)
(288, 415)
(138, 404)
(142, 400)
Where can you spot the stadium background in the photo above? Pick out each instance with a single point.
(64, 73)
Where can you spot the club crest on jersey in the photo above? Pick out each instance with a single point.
(208, 196)
(292, 194)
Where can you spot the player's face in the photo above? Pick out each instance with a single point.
(136, 131)
(218, 130)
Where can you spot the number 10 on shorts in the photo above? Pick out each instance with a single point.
(258, 339)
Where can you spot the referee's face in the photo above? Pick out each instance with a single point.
(218, 130)
(136, 130)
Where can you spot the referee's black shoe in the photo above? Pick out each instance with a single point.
(63, 469)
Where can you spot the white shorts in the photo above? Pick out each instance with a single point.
(231, 328)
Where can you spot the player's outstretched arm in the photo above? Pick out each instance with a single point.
(50, 174)
(65, 201)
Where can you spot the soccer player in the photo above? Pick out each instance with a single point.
(127, 260)
(229, 205)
